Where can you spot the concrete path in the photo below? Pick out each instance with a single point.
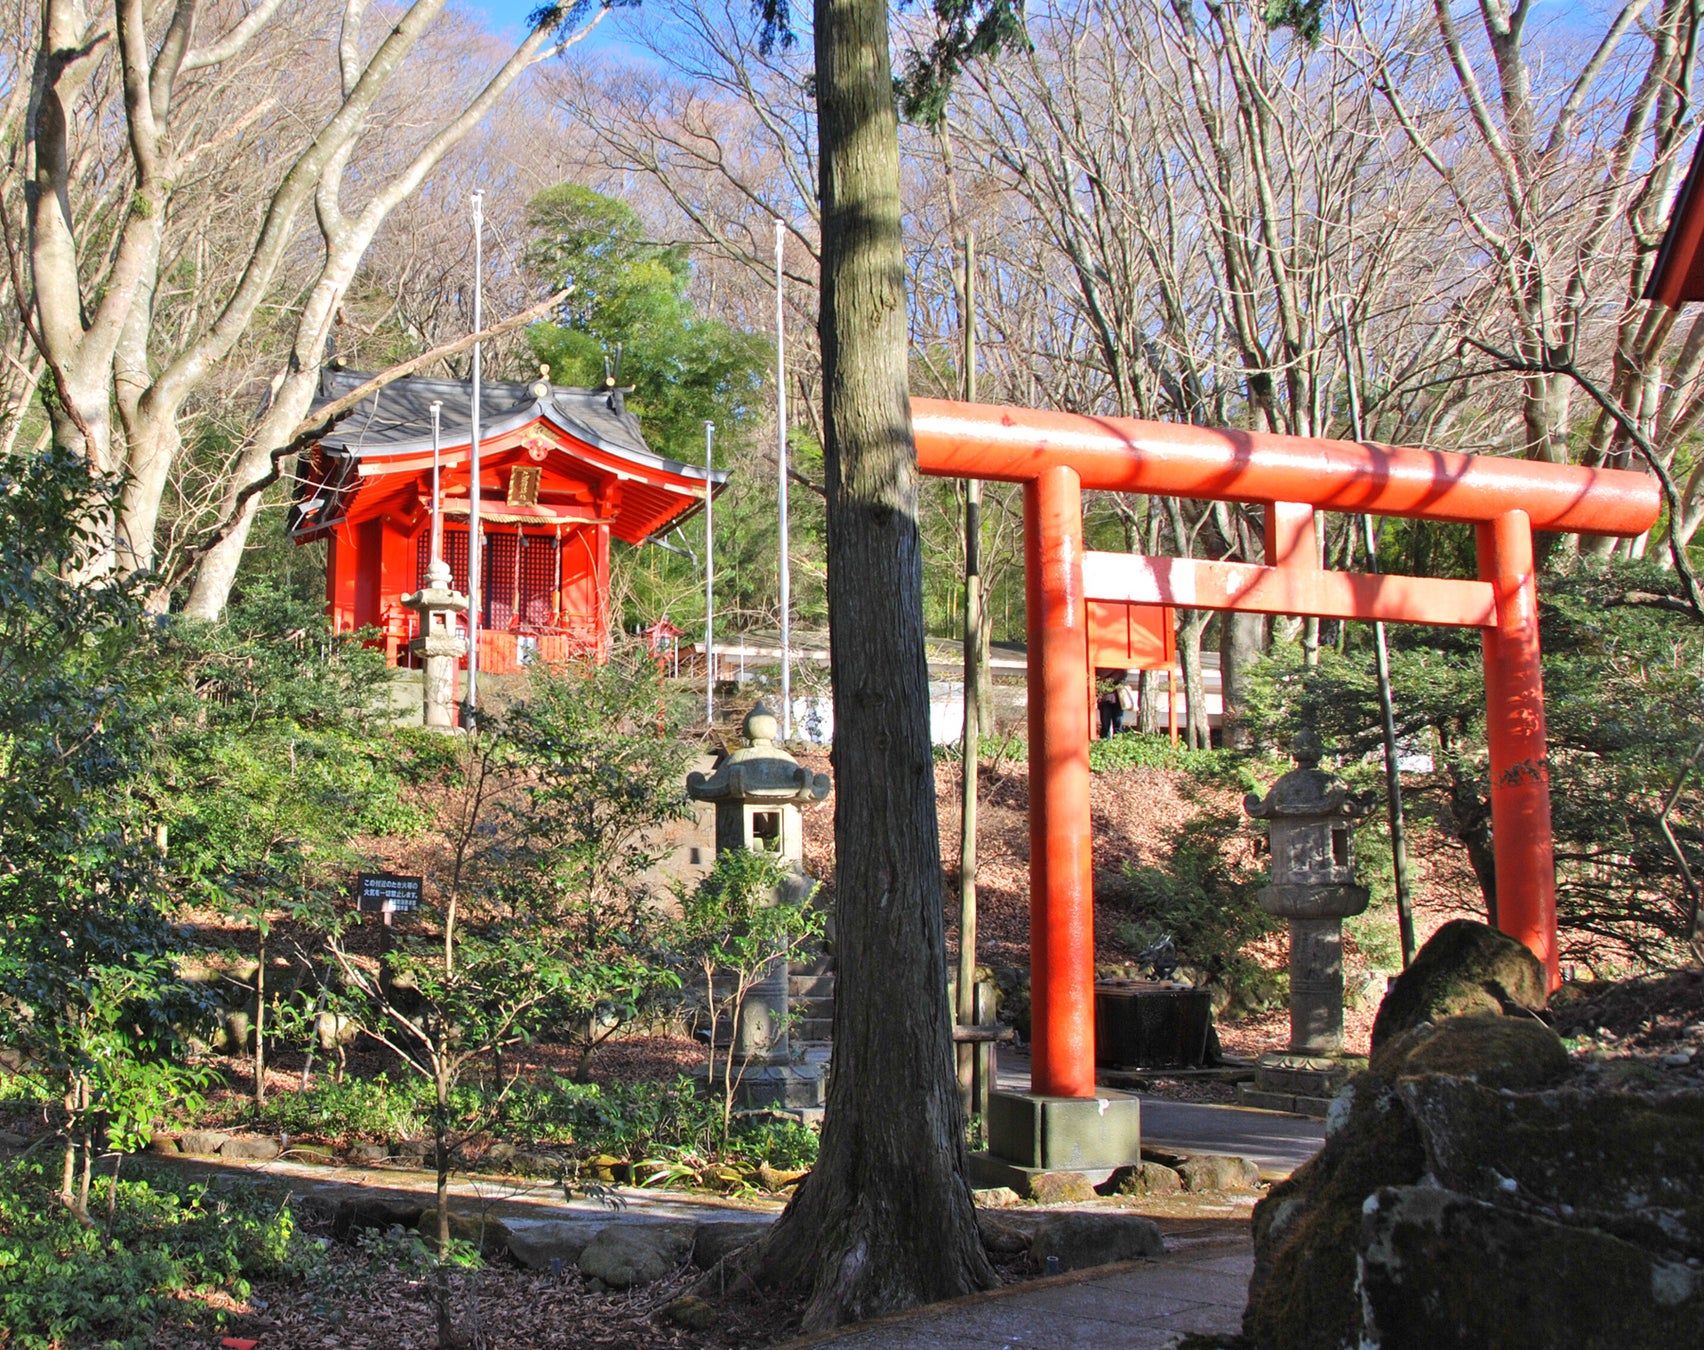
(1200, 1286)
(1278, 1142)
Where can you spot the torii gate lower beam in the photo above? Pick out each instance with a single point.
(1056, 455)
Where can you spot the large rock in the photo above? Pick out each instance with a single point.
(1501, 1052)
(250, 1149)
(202, 1143)
(626, 1254)
(1465, 968)
(1001, 1235)
(1302, 1293)
(1218, 1172)
(1144, 1178)
(1628, 1163)
(1087, 1238)
(551, 1244)
(485, 1231)
(1060, 1188)
(716, 1241)
(1440, 1270)
(1445, 1211)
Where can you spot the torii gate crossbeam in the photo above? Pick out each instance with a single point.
(1057, 455)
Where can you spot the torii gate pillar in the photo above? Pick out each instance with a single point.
(1514, 722)
(1062, 903)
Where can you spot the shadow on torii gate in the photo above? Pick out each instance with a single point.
(1057, 455)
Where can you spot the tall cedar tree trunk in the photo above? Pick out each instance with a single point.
(885, 1221)
(1197, 729)
(1239, 648)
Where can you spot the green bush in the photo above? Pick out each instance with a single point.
(786, 1145)
(1131, 750)
(1204, 901)
(64, 1283)
(372, 1108)
(623, 1120)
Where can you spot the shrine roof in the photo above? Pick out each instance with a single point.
(371, 459)
(1678, 274)
(398, 418)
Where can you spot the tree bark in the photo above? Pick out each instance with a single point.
(885, 1220)
(1198, 733)
(1239, 649)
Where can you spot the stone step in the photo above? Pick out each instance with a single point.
(814, 1028)
(811, 963)
(810, 986)
(1317, 1107)
(813, 1008)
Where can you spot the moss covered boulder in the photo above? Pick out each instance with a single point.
(1443, 1271)
(1448, 1208)
(1499, 1052)
(1306, 1230)
(1465, 968)
(1629, 1163)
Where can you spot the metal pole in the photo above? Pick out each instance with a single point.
(709, 582)
(781, 504)
(474, 551)
(1387, 708)
(972, 708)
(437, 499)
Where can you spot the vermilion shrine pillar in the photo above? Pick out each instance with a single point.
(1514, 732)
(1062, 908)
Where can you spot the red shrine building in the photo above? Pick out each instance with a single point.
(562, 471)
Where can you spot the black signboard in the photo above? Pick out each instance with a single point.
(387, 893)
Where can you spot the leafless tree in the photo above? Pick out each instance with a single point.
(1559, 152)
(238, 133)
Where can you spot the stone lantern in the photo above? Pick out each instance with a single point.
(758, 792)
(1311, 817)
(439, 646)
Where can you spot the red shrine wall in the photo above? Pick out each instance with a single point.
(545, 591)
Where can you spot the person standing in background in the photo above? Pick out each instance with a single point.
(1106, 702)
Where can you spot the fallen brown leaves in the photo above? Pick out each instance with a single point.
(354, 1304)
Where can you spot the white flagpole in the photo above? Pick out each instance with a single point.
(709, 582)
(474, 551)
(437, 496)
(781, 505)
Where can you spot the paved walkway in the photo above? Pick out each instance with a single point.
(1200, 1285)
(1278, 1142)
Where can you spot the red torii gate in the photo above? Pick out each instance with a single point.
(1057, 455)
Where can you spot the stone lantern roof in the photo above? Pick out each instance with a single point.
(760, 771)
(1306, 792)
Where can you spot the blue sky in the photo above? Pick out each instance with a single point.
(508, 18)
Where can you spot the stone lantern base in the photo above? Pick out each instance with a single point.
(1289, 1080)
(785, 1088)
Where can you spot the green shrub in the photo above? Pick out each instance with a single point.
(632, 1121)
(1204, 901)
(64, 1283)
(373, 1108)
(786, 1145)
